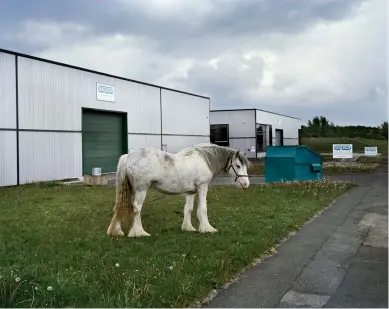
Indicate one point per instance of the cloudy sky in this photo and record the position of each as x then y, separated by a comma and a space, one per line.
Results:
297, 57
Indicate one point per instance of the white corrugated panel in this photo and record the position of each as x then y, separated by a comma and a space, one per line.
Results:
176, 143
244, 144
138, 141
7, 91
8, 158
289, 125
48, 156
241, 123
51, 97
184, 114
142, 104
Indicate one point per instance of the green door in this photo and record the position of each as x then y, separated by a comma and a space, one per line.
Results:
104, 140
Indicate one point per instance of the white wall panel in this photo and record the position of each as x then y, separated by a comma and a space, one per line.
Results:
288, 124
7, 91
244, 144
48, 156
241, 122
51, 97
138, 141
176, 143
184, 114
8, 158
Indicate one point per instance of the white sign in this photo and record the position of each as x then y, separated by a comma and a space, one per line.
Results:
105, 92
342, 151
252, 149
371, 151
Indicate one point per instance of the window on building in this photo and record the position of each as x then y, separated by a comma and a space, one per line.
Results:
262, 132
220, 135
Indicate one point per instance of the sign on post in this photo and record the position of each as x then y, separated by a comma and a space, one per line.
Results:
105, 92
371, 151
342, 151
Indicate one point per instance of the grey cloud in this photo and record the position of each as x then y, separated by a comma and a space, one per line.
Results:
228, 18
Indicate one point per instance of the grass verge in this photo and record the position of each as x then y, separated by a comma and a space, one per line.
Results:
54, 251
373, 159
350, 168
362, 166
324, 144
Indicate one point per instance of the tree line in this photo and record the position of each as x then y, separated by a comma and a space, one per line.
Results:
322, 127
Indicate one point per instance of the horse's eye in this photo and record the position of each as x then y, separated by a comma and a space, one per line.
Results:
238, 166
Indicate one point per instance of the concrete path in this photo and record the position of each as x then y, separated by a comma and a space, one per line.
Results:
340, 259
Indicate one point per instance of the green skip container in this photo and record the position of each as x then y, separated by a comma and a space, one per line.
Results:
292, 163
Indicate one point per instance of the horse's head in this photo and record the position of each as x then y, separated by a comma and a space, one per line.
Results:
237, 167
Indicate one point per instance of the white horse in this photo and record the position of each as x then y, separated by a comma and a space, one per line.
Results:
186, 172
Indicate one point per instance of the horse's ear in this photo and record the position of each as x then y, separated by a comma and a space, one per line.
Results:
237, 154
244, 153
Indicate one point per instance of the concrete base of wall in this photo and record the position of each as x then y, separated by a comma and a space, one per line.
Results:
97, 180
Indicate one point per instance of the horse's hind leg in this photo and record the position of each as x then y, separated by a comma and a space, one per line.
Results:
187, 223
121, 205
137, 228
115, 228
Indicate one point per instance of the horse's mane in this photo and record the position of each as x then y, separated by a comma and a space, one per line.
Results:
217, 156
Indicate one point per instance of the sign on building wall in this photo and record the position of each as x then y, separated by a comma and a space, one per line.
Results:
371, 151
342, 151
105, 92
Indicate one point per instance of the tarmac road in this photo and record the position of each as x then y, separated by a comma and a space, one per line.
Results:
340, 259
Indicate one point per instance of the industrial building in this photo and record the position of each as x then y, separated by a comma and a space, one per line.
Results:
59, 121
253, 130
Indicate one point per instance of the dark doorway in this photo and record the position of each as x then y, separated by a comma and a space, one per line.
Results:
279, 137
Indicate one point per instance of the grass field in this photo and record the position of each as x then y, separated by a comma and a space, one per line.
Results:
324, 145
361, 167
54, 251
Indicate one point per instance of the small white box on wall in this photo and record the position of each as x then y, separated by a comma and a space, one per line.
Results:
105, 92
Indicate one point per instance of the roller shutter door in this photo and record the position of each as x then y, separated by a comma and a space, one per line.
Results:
104, 139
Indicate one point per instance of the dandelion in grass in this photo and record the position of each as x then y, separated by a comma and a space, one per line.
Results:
170, 267
17, 279
49, 288
117, 265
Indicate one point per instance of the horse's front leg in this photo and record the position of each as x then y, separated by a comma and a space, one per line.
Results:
204, 227
187, 223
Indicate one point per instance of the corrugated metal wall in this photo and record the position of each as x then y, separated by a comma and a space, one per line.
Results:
290, 126
241, 128
7, 91
49, 156
8, 158
51, 98
50, 102
136, 141
185, 120
184, 114
8, 149
241, 122
175, 143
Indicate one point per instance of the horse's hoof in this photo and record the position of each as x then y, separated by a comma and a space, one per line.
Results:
115, 234
208, 229
134, 233
188, 228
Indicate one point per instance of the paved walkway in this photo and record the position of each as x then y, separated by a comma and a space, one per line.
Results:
338, 260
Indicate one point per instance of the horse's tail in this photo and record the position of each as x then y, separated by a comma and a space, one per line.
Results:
124, 190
